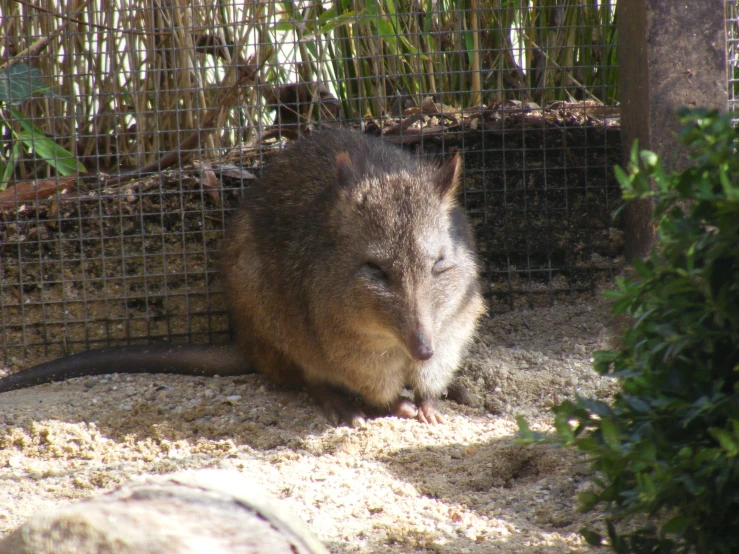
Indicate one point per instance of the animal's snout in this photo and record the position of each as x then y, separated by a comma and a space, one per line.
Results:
421, 346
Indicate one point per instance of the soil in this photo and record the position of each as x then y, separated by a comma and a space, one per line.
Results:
395, 486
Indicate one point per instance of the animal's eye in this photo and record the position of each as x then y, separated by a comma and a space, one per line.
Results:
442, 265
375, 272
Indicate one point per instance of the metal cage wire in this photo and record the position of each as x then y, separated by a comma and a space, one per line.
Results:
732, 53
172, 108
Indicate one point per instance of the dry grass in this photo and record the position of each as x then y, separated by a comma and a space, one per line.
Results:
134, 78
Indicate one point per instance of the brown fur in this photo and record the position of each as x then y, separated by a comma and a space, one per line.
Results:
306, 308
349, 267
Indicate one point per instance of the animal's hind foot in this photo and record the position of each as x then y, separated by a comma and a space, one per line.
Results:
337, 407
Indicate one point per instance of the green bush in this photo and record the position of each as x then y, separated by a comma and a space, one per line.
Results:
667, 446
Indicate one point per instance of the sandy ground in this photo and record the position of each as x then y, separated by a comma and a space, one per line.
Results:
396, 486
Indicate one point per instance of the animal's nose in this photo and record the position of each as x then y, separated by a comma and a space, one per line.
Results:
421, 346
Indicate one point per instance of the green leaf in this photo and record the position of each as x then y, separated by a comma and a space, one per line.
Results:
333, 24
642, 269
20, 82
727, 440
428, 19
591, 537
676, 526
605, 356
622, 178
649, 159
601, 409
562, 425
469, 44
285, 26
588, 500
398, 31
610, 433
636, 403
9, 165
685, 452
386, 31
329, 14
730, 190
412, 49
53, 154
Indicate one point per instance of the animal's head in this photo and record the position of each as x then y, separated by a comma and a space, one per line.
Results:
403, 250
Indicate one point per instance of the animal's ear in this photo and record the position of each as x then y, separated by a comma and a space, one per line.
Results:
344, 170
347, 172
448, 177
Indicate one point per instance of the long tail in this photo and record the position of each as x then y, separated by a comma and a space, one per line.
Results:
184, 359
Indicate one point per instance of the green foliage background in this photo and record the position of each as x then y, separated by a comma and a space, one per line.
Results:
668, 445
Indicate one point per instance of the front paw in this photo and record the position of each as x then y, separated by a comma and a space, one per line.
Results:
424, 410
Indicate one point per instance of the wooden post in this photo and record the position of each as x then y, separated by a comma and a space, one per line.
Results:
670, 54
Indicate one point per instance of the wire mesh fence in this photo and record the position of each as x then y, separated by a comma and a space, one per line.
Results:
129, 128
732, 53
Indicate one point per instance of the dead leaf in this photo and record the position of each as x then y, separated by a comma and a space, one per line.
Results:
209, 181
26, 191
235, 172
